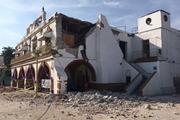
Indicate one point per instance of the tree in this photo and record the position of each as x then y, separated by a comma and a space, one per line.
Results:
7, 53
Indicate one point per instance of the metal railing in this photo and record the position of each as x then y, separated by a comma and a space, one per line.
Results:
45, 49
21, 58
152, 53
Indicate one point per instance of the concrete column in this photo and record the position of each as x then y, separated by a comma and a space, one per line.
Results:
63, 86
31, 47
25, 81
58, 87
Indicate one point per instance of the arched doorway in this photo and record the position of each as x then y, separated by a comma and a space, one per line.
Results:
44, 79
14, 78
79, 73
30, 77
21, 78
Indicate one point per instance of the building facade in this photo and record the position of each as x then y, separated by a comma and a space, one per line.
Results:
66, 54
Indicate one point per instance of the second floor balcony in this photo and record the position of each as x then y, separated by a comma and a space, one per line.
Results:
147, 56
28, 55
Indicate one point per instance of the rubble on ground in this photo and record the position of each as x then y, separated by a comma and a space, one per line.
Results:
95, 102
6, 89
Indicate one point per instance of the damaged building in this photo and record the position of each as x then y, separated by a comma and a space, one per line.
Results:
63, 54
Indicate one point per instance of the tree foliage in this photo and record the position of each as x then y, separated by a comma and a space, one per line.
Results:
7, 53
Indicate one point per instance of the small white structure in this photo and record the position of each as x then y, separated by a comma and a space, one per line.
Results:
76, 55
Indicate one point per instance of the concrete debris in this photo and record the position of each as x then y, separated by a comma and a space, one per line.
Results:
177, 113
94, 103
150, 107
6, 89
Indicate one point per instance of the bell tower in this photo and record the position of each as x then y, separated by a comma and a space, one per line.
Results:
154, 20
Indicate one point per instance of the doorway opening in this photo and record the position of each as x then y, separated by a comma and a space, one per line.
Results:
79, 73
123, 46
14, 78
21, 78
30, 77
44, 79
146, 48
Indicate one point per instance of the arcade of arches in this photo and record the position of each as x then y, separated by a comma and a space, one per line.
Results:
26, 79
79, 76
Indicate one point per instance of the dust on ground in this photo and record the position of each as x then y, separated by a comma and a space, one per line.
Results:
92, 105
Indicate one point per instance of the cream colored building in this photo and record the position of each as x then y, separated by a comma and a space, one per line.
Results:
66, 54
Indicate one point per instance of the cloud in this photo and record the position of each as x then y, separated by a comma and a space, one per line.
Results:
111, 3
9, 38
68, 4
18, 5
124, 22
7, 22
17, 14
122, 18
176, 23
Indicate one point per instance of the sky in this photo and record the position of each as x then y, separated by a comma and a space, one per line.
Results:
16, 15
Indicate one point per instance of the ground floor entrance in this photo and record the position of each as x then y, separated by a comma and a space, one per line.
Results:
79, 73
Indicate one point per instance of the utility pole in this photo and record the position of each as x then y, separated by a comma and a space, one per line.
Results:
36, 54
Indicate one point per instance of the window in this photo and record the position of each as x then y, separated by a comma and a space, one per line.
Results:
165, 18
148, 21
146, 48
159, 51
34, 45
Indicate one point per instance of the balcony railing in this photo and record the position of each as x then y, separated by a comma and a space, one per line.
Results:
152, 53
43, 50
22, 58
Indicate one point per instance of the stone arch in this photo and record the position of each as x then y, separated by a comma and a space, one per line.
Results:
21, 78
30, 77
44, 76
14, 78
80, 73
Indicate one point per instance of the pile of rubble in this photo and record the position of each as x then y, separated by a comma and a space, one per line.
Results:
6, 89
94, 102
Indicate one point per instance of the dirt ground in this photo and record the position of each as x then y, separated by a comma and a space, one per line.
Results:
93, 105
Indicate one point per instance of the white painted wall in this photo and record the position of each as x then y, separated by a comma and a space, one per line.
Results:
91, 43
59, 75
106, 52
135, 48
153, 86
154, 32
123, 36
102, 48
155, 40
128, 69
157, 21
171, 49
166, 78
163, 37
148, 66
162, 81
